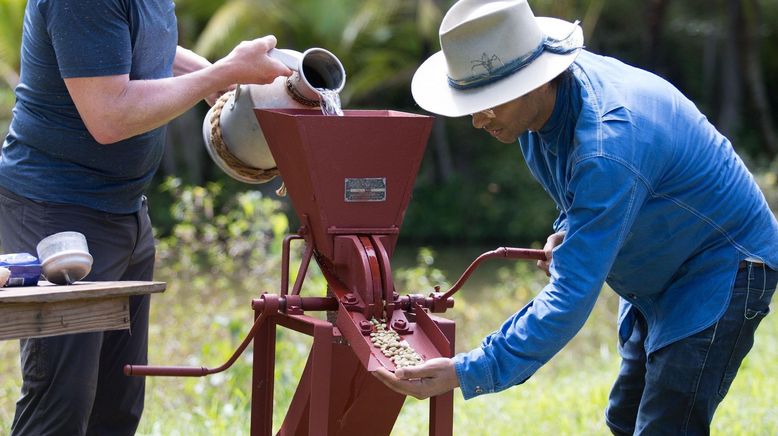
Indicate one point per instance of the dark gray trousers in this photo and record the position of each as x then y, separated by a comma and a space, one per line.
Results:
73, 384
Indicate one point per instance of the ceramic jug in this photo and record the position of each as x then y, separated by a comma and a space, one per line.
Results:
232, 135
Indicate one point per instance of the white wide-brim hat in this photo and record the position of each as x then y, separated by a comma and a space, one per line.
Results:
493, 51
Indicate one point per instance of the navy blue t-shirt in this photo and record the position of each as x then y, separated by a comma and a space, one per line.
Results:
48, 154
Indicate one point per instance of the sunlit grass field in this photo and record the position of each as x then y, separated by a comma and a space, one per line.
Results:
196, 323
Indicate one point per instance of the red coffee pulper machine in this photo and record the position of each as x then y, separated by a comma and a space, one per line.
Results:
350, 180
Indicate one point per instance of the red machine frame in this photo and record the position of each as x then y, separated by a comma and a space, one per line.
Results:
350, 180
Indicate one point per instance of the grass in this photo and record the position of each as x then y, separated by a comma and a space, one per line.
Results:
197, 323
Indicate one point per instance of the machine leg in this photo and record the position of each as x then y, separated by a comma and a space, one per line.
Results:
442, 415
321, 359
442, 406
262, 378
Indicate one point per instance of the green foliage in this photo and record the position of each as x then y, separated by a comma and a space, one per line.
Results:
421, 278
229, 242
768, 181
379, 42
11, 13
493, 198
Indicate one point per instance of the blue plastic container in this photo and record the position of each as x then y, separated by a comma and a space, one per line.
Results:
25, 269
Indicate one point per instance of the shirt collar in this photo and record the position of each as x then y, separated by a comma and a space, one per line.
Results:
558, 130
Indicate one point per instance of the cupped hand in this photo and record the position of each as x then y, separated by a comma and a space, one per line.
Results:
433, 377
548, 249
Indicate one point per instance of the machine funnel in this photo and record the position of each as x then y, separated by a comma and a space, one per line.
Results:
347, 175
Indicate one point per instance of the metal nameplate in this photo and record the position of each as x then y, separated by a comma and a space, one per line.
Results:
365, 189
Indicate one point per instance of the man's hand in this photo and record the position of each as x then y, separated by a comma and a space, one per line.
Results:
433, 377
248, 62
551, 243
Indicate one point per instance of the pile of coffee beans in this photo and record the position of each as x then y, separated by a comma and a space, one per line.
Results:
399, 351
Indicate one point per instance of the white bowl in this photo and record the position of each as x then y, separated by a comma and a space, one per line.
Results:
64, 257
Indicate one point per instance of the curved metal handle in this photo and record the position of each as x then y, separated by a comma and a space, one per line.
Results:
507, 252
288, 57
199, 371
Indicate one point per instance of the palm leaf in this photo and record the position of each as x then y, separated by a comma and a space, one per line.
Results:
235, 21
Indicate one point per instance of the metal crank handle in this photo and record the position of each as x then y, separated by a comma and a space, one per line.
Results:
195, 371
521, 253
506, 252
170, 371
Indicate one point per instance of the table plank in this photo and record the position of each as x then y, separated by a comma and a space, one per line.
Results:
33, 320
48, 309
47, 292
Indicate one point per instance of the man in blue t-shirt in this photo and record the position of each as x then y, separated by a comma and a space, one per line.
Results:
99, 81
653, 200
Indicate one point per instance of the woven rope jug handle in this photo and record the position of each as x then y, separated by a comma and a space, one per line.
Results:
232, 161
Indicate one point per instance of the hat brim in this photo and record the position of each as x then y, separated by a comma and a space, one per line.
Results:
432, 92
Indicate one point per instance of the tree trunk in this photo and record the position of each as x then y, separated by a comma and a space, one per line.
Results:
752, 70
591, 17
710, 60
445, 164
655, 18
730, 73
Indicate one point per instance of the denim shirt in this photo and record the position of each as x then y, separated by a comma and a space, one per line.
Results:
654, 201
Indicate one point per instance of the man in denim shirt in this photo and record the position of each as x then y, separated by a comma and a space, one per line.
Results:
652, 199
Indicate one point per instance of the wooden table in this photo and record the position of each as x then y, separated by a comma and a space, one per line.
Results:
48, 309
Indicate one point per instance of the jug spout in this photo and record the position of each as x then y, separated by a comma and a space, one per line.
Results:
315, 69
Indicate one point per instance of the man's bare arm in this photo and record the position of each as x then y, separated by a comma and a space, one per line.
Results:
116, 108
187, 61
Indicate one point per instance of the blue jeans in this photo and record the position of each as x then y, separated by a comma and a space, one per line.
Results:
676, 389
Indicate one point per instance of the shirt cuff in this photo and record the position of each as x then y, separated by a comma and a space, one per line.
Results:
473, 372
